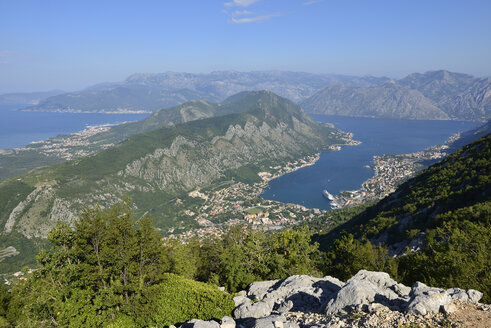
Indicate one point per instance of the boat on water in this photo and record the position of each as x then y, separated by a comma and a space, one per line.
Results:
326, 194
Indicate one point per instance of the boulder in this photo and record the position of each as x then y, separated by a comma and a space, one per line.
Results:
196, 323
239, 300
252, 310
367, 287
284, 307
257, 290
470, 295
266, 303
426, 299
274, 321
298, 293
449, 308
227, 322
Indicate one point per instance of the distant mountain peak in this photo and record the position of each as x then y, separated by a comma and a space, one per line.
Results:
432, 95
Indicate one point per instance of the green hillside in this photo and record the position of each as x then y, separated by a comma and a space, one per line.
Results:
438, 223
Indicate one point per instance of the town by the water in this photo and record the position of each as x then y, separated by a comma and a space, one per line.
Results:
240, 203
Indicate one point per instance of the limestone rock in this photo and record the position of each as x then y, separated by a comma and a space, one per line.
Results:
257, 290
364, 288
195, 323
470, 295
426, 299
304, 292
254, 310
272, 321
227, 322
239, 300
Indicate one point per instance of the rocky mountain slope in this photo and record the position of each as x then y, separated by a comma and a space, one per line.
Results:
148, 92
159, 166
68, 147
432, 95
389, 100
368, 299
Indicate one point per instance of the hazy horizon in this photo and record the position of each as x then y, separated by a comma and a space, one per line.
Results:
72, 45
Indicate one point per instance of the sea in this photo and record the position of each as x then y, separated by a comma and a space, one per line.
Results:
19, 128
347, 169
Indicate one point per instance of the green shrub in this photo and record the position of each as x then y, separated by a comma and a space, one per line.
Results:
4, 323
181, 299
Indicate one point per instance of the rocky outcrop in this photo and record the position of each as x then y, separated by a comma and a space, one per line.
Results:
368, 299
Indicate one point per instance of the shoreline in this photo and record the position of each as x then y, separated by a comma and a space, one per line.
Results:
390, 171
237, 198
79, 111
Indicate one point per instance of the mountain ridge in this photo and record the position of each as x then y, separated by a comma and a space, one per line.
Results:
151, 91
432, 95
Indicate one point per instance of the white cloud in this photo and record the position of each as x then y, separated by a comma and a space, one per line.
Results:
245, 16
242, 20
240, 3
311, 2
241, 13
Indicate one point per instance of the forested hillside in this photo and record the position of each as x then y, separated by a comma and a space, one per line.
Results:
440, 220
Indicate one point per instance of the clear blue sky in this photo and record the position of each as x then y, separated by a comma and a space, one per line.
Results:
71, 44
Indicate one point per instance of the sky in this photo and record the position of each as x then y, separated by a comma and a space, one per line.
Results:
72, 44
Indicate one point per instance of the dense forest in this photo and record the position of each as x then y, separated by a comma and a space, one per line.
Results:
111, 271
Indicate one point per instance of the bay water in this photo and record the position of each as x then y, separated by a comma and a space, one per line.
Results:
346, 169
19, 128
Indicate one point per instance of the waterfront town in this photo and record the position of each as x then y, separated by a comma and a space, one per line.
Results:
390, 172
240, 203
74, 145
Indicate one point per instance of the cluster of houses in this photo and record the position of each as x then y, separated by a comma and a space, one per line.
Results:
258, 217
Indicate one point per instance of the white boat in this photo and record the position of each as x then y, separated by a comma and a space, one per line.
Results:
326, 194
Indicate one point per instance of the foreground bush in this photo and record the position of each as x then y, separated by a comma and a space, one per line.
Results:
179, 300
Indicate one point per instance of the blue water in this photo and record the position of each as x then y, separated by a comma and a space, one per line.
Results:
345, 170
18, 129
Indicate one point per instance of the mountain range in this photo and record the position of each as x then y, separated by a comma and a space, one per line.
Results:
439, 95
149, 92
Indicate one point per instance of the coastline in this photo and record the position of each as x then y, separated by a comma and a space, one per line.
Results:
224, 207
79, 111
390, 172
